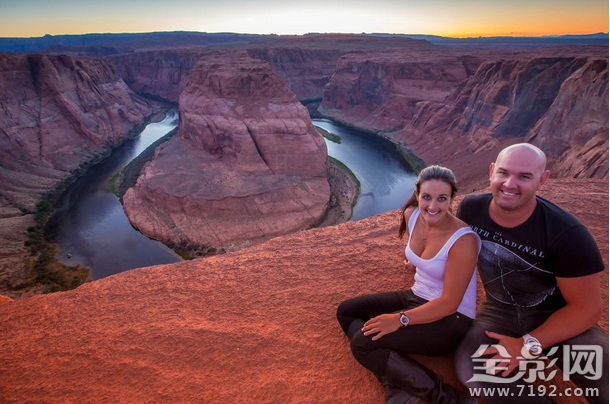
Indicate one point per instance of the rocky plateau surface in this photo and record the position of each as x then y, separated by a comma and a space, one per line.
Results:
253, 326
246, 165
56, 112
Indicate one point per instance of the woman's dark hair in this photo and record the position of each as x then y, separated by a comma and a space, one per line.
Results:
429, 173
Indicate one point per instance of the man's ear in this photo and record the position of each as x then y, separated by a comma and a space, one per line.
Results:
544, 177
491, 170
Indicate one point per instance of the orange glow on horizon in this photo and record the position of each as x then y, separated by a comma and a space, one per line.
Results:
457, 19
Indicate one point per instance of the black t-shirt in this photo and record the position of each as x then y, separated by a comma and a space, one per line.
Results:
518, 266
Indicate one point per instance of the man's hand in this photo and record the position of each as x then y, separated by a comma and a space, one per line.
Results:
513, 347
382, 325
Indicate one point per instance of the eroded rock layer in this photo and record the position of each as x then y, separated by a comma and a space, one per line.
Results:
306, 71
381, 90
254, 326
56, 112
450, 109
162, 73
247, 163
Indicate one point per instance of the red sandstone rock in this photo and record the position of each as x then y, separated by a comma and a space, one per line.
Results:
306, 71
254, 326
447, 115
304, 63
163, 73
575, 127
247, 163
381, 90
56, 112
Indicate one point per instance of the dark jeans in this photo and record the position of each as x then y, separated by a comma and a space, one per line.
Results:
437, 338
516, 322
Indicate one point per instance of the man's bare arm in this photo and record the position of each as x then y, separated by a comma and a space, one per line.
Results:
582, 311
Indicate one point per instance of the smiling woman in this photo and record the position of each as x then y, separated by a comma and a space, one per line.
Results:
431, 317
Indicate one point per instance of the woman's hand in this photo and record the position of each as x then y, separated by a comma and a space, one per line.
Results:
382, 325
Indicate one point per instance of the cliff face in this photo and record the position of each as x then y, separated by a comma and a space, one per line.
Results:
253, 326
247, 163
306, 71
56, 112
559, 104
575, 127
163, 73
381, 91
447, 115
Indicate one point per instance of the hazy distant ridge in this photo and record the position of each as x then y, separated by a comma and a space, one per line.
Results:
177, 37
57, 42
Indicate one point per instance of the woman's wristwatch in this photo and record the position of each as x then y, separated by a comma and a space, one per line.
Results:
404, 320
532, 344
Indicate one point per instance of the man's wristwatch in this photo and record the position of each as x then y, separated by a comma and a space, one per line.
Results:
404, 320
532, 344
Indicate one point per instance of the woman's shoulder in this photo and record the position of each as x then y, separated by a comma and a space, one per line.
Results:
459, 223
466, 237
409, 212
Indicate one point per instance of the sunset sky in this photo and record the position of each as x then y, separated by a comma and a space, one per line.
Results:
458, 18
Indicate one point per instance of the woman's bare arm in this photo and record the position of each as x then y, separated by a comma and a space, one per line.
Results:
458, 272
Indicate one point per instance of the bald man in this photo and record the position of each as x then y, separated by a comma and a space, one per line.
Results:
541, 270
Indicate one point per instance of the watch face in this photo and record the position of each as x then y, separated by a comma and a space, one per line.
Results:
535, 349
404, 319
533, 346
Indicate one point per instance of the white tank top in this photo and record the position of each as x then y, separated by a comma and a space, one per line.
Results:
430, 273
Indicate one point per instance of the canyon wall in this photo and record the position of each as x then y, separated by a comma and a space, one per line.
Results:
451, 111
380, 91
305, 70
56, 112
575, 126
163, 73
557, 103
247, 164
307, 63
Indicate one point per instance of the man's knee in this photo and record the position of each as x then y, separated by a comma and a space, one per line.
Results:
585, 368
463, 360
464, 367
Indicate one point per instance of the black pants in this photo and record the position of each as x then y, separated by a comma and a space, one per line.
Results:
437, 338
515, 322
